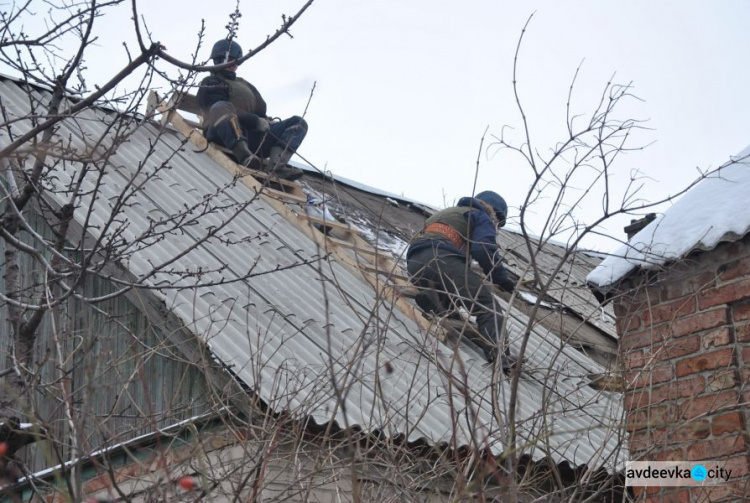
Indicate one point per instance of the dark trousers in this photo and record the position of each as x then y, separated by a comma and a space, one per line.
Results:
288, 133
450, 274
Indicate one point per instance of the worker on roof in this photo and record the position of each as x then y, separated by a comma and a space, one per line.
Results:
439, 259
235, 116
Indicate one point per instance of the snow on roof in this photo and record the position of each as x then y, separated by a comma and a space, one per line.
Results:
713, 211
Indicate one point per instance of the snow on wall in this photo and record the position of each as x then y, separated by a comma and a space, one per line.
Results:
713, 211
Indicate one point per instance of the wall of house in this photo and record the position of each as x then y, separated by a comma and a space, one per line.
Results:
685, 343
125, 373
260, 461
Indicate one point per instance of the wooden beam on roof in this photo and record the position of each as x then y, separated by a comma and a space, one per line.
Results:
353, 246
304, 222
326, 222
398, 275
284, 196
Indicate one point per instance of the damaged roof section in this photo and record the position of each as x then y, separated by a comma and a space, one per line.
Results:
567, 307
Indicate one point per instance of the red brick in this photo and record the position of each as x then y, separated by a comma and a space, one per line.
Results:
694, 430
699, 322
705, 405
684, 286
673, 348
634, 359
716, 448
725, 423
653, 489
706, 361
648, 376
738, 465
669, 495
638, 399
691, 386
639, 441
669, 311
627, 324
726, 252
677, 454
716, 338
627, 305
725, 492
735, 269
639, 492
745, 355
638, 340
741, 312
644, 297
653, 417
717, 381
742, 332
724, 294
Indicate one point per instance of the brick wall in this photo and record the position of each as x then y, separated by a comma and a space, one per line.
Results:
685, 344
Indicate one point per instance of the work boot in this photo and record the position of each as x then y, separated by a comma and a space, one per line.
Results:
277, 164
242, 153
507, 362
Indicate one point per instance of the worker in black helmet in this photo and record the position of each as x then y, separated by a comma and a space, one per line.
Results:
439, 258
235, 116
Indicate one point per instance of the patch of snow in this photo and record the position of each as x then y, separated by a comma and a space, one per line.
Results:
714, 210
464, 314
606, 317
532, 299
317, 207
383, 241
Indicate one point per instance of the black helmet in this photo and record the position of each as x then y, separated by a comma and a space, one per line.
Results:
498, 204
225, 50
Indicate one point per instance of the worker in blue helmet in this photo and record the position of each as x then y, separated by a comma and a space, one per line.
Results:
235, 116
439, 259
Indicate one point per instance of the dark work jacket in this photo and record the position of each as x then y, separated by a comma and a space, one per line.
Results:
227, 86
471, 220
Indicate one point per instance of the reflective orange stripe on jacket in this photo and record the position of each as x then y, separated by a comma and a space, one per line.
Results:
447, 231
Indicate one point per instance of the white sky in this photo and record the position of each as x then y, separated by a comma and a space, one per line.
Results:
406, 88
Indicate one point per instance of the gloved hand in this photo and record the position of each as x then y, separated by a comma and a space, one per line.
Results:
262, 125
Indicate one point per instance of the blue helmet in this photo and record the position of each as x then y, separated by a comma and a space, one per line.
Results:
498, 204
225, 50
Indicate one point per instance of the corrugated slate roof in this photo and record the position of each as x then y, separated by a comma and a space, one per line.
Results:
312, 338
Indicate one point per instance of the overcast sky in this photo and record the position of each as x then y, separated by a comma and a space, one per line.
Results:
406, 88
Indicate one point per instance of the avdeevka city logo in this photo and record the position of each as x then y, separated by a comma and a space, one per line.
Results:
675, 473
699, 473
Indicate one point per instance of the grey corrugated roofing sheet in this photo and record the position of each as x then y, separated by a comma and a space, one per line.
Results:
568, 287
303, 336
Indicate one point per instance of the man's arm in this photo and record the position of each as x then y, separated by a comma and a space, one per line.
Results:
483, 249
